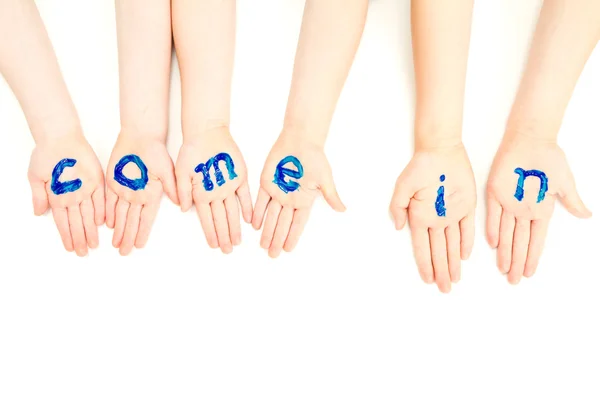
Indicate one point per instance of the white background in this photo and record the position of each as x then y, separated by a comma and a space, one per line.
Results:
345, 316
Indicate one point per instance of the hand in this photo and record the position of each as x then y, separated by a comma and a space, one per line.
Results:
294, 174
65, 175
519, 209
436, 191
215, 193
138, 171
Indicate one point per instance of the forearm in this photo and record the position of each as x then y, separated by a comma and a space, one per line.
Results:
565, 36
440, 35
30, 67
144, 42
204, 33
330, 35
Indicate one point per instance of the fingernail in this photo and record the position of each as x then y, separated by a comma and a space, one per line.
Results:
227, 249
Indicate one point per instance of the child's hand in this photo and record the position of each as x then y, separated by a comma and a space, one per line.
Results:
524, 181
295, 172
67, 176
436, 192
138, 171
210, 174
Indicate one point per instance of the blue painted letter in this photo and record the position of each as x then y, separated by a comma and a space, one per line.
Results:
520, 192
59, 187
133, 184
281, 173
440, 204
214, 162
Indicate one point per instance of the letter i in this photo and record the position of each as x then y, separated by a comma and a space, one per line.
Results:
439, 201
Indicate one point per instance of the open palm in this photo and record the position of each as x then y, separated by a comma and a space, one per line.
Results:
294, 175
211, 173
67, 177
525, 180
139, 170
436, 193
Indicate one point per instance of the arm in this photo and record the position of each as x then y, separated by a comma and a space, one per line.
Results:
440, 33
565, 36
29, 65
530, 171
436, 191
204, 33
330, 35
140, 168
144, 41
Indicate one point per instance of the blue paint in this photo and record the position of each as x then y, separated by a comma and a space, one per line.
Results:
214, 163
440, 204
133, 184
59, 187
281, 173
523, 174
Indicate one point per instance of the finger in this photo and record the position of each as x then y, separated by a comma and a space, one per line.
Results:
77, 231
120, 220
539, 230
39, 197
245, 199
220, 219
331, 195
467, 235
519, 250
298, 223
99, 201
184, 191
61, 219
167, 177
453, 248
208, 224
505, 242
147, 217
260, 208
284, 223
111, 205
270, 223
400, 201
89, 225
131, 229
494, 216
439, 256
233, 219
422, 252
572, 201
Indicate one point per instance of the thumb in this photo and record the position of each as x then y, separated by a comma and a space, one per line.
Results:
572, 202
400, 201
39, 195
331, 195
166, 174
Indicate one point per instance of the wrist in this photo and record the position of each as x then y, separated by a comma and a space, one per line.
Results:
138, 133
301, 133
429, 137
206, 131
536, 130
56, 130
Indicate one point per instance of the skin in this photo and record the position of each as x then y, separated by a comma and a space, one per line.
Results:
440, 34
566, 34
144, 41
204, 33
29, 65
330, 35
